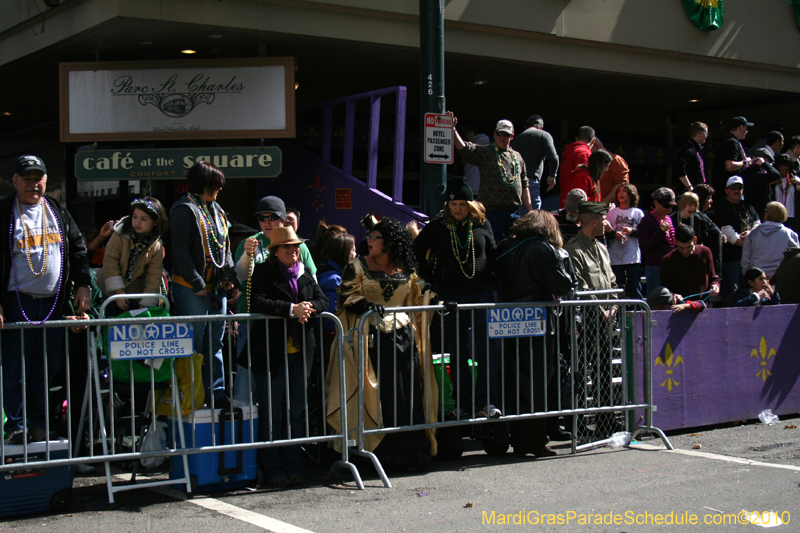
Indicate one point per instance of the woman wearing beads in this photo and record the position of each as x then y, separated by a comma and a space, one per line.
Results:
134, 254
202, 269
386, 277
461, 245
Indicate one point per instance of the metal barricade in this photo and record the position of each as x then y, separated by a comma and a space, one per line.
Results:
102, 437
544, 360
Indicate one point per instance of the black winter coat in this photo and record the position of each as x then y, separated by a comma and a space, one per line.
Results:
271, 296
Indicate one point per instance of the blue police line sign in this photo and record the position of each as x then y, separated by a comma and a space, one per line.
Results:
517, 322
150, 341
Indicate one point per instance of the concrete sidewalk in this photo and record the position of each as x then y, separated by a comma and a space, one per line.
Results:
633, 484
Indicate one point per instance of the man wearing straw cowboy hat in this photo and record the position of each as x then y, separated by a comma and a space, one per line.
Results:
43, 256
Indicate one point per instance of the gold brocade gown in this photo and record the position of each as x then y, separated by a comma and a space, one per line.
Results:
410, 376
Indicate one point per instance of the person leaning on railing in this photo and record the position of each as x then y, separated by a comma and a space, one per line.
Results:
282, 287
531, 266
386, 277
455, 252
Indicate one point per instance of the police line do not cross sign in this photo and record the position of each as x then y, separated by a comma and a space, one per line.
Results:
517, 322
438, 138
150, 341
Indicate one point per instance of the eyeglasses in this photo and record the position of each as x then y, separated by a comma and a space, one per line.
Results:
270, 217
502, 134
736, 188
374, 238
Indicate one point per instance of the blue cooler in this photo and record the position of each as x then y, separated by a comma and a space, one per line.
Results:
31, 489
217, 471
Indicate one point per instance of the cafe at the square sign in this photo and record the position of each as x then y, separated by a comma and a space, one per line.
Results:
164, 100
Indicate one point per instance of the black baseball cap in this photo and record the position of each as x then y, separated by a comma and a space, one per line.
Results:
740, 121
271, 204
26, 163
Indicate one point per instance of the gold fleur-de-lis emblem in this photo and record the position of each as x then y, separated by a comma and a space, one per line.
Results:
669, 363
764, 356
660, 156
640, 153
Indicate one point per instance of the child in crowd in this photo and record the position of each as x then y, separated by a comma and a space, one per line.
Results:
623, 242
755, 290
134, 255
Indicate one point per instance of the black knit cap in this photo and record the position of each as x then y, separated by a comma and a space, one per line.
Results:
457, 189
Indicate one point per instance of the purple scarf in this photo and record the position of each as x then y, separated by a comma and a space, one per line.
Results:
290, 275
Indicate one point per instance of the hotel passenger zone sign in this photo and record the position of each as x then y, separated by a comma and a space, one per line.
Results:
164, 100
517, 322
438, 138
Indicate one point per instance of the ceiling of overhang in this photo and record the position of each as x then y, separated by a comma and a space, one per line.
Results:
326, 68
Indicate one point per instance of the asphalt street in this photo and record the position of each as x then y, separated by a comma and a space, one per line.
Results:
715, 475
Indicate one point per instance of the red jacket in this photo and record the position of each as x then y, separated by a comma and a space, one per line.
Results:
581, 179
576, 153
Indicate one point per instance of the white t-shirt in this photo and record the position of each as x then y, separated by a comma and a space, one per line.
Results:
788, 200
626, 253
46, 285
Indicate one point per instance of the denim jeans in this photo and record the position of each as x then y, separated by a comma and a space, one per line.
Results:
731, 274
243, 383
29, 345
207, 336
653, 278
271, 390
550, 203
536, 199
501, 221
463, 345
629, 277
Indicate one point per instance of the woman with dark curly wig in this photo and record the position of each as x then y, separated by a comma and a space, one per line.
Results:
532, 266
397, 392
456, 254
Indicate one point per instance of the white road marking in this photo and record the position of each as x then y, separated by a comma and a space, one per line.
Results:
265, 522
718, 457
260, 520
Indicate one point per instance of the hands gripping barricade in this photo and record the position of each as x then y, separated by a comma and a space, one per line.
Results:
107, 421
563, 361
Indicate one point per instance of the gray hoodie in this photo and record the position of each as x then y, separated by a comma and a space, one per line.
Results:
764, 246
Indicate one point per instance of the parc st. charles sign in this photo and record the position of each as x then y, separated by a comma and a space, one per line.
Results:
173, 163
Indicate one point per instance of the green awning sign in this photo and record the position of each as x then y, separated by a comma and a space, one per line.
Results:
174, 163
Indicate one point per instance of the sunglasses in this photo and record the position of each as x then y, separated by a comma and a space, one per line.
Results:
736, 188
503, 134
270, 217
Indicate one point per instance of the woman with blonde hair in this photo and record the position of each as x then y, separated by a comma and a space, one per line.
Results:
455, 252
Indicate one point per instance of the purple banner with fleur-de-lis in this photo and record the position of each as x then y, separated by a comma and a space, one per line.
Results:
721, 365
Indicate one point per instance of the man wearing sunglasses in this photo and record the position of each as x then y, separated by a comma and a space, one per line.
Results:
735, 219
504, 179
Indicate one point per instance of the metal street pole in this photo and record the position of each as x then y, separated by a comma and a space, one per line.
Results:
431, 31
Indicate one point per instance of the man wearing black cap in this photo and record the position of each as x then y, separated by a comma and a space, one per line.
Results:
43, 255
504, 178
535, 145
589, 257
271, 214
731, 157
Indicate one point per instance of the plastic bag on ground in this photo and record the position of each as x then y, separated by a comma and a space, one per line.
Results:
620, 438
767, 417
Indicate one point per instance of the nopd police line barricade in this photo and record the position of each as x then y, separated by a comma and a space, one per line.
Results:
516, 363
85, 411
